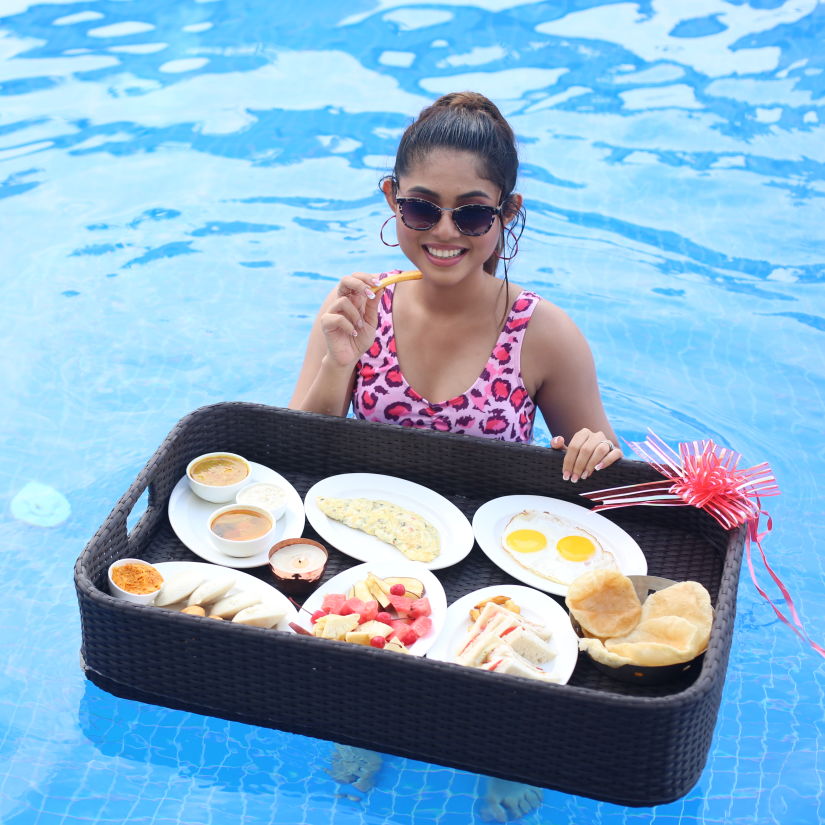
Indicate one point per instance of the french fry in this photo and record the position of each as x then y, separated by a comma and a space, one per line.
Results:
409, 275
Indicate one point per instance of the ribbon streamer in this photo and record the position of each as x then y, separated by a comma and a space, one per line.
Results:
703, 474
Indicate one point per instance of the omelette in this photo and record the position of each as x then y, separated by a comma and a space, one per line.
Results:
405, 530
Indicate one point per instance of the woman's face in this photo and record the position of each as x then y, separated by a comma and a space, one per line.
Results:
449, 179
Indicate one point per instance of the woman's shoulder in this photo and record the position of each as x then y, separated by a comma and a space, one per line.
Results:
549, 319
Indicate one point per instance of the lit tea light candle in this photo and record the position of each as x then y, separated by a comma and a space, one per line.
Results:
298, 564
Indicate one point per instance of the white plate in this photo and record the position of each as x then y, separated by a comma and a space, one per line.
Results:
453, 527
414, 569
491, 518
189, 517
536, 607
243, 582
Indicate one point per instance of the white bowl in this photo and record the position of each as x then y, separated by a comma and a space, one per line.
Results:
271, 497
120, 593
217, 493
242, 547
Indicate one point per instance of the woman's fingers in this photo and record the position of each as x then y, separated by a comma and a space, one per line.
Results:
587, 451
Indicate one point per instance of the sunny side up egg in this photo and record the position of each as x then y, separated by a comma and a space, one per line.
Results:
552, 547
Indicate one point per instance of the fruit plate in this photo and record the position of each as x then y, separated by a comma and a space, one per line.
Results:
453, 527
343, 581
243, 582
563, 519
537, 607
189, 517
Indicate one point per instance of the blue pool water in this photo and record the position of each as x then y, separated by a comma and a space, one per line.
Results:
181, 183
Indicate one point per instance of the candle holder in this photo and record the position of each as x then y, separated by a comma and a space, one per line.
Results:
298, 565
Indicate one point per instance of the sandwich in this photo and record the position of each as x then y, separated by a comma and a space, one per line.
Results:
497, 627
503, 659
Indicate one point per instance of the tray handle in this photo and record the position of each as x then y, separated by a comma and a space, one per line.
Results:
131, 525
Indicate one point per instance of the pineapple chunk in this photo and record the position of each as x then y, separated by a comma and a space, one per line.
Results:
335, 626
375, 628
358, 637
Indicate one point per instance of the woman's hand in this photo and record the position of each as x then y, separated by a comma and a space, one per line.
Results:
350, 320
586, 452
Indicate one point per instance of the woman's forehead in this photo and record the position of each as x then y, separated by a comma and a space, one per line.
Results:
449, 171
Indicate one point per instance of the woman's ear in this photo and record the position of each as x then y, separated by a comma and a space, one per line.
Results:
512, 206
388, 187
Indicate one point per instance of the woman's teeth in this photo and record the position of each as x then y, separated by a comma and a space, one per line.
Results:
444, 253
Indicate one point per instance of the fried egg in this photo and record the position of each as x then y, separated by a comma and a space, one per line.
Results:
553, 547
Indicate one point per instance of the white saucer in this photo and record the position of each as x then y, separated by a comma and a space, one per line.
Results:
189, 517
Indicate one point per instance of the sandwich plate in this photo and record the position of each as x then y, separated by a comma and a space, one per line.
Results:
454, 529
563, 519
537, 607
189, 517
343, 581
243, 583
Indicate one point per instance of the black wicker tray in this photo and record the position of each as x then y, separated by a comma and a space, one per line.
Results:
594, 736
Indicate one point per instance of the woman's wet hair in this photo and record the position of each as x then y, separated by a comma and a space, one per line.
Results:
469, 122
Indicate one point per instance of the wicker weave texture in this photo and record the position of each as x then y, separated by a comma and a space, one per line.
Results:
594, 737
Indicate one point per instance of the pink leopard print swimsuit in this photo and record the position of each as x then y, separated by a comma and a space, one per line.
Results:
496, 406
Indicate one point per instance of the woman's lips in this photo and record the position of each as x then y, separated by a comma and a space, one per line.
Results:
444, 256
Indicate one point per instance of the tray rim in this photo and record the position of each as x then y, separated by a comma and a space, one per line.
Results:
724, 612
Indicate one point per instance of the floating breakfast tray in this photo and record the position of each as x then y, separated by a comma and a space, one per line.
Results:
594, 737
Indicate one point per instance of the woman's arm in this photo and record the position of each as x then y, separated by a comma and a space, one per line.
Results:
343, 330
567, 393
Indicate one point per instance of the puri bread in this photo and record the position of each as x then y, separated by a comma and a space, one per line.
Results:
604, 603
690, 600
666, 640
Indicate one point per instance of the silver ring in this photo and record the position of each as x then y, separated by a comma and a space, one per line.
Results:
610, 445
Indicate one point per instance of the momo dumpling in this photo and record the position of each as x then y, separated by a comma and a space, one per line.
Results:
178, 587
228, 606
260, 615
212, 589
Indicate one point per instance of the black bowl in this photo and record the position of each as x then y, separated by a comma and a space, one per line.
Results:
644, 674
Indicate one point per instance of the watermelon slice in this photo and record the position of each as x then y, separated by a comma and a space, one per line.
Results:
333, 602
420, 607
352, 605
402, 604
422, 626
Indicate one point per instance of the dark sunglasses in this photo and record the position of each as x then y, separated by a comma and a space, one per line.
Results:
470, 219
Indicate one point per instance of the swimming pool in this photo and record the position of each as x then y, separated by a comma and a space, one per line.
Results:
167, 169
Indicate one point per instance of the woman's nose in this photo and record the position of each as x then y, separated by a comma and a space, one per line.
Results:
445, 226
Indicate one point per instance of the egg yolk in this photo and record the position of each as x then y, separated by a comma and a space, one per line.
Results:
575, 548
526, 541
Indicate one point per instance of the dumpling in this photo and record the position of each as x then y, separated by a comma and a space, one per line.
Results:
260, 615
228, 606
212, 589
178, 587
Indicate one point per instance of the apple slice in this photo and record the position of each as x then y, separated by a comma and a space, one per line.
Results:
379, 589
414, 588
361, 591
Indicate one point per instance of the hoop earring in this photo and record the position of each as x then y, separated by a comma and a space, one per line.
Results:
513, 246
381, 233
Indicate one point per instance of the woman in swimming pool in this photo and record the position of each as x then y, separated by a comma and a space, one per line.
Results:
457, 350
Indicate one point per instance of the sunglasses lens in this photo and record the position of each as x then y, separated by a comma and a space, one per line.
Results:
419, 214
473, 219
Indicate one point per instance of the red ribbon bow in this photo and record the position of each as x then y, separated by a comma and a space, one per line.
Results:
703, 474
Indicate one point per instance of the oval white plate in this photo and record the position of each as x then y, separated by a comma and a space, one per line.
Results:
189, 517
243, 582
414, 569
491, 518
537, 607
453, 527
